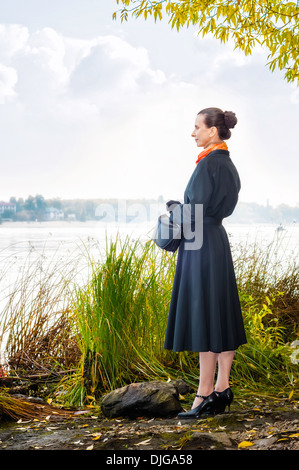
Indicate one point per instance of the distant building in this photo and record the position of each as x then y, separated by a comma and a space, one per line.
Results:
52, 213
7, 206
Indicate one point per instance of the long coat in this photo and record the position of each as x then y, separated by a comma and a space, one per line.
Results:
205, 312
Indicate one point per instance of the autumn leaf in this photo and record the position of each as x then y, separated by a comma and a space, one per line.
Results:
245, 444
144, 443
273, 25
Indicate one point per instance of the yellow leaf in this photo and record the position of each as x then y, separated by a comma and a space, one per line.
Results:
294, 435
268, 300
244, 444
89, 397
291, 394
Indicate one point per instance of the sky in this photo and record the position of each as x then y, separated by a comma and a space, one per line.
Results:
96, 108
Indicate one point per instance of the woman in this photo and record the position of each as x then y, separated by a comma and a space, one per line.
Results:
205, 314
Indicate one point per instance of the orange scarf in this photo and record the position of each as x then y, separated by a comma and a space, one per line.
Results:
205, 152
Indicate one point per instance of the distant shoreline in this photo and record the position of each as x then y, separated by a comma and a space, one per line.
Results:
94, 223
48, 223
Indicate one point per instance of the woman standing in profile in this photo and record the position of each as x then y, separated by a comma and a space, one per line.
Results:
205, 314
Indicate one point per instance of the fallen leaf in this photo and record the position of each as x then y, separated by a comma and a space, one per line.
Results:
144, 443
291, 394
89, 397
294, 435
244, 444
89, 447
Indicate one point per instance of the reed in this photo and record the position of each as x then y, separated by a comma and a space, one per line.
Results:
122, 316
111, 328
35, 330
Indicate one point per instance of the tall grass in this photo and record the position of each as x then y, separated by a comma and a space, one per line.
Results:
268, 290
114, 324
119, 317
35, 330
122, 315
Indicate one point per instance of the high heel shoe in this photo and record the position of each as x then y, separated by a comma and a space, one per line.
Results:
206, 407
224, 400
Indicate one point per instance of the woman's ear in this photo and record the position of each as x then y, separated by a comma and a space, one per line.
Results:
213, 131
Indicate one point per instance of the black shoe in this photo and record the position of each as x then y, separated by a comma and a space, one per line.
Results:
224, 400
206, 407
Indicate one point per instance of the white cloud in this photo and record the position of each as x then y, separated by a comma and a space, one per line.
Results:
57, 73
81, 106
13, 38
8, 80
83, 117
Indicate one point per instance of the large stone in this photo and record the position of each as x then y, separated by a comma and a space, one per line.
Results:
154, 399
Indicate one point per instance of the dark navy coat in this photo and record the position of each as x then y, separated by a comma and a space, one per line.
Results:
205, 312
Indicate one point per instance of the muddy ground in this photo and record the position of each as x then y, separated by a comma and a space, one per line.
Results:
250, 425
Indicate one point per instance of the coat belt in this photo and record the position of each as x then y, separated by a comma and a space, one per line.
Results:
212, 220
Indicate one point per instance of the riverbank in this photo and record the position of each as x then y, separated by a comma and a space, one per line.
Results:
252, 424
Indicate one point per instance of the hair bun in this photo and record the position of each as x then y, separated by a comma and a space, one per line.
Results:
230, 119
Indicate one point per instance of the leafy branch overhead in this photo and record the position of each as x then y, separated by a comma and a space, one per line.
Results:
272, 24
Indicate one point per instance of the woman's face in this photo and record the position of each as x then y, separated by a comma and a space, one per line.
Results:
203, 135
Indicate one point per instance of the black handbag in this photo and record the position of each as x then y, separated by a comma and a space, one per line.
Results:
167, 234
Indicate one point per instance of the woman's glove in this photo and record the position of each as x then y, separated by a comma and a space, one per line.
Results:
170, 205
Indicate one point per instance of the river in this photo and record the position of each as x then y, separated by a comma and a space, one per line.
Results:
53, 242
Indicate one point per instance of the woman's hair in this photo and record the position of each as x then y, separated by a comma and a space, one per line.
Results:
223, 120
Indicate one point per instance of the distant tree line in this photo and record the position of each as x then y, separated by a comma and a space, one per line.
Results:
38, 208
249, 212
41, 209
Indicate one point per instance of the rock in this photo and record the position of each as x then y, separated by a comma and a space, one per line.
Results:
181, 386
267, 442
211, 440
154, 399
